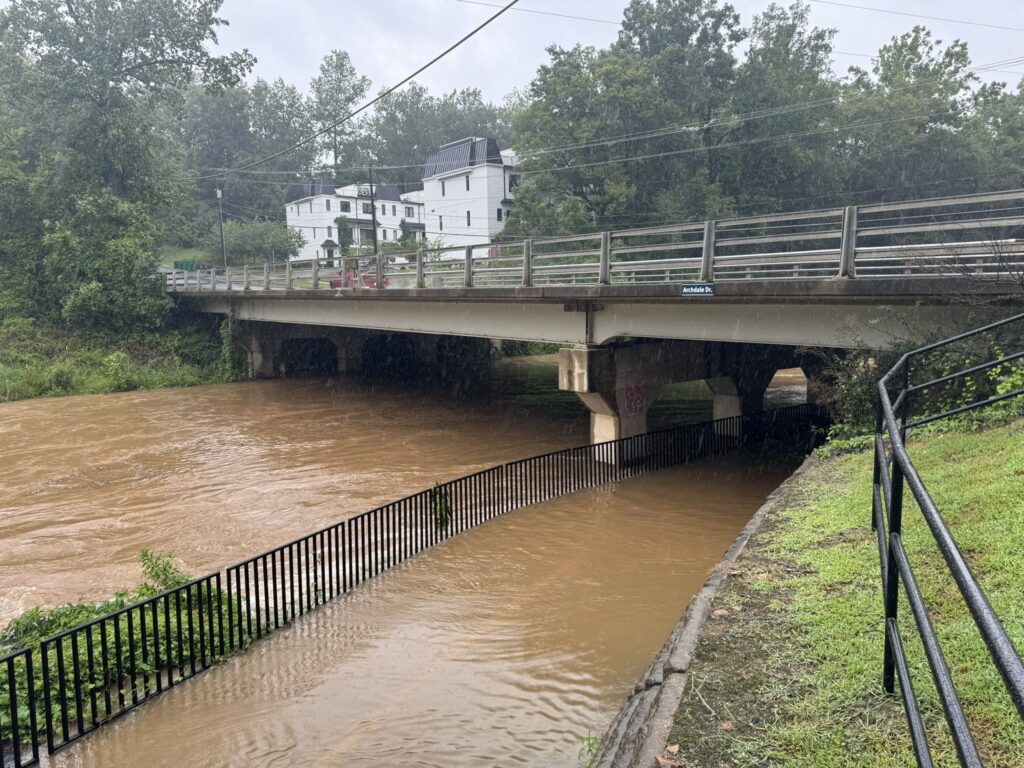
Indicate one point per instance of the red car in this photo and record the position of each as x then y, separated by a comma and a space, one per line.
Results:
349, 279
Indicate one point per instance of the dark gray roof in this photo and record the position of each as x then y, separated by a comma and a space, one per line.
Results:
310, 188
462, 154
389, 192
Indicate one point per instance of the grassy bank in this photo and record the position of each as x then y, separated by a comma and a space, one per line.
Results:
39, 360
788, 669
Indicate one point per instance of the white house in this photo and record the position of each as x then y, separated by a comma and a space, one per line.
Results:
467, 191
314, 208
467, 194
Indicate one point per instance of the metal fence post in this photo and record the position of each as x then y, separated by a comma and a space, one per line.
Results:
604, 269
316, 273
420, 255
266, 277
288, 275
528, 262
380, 271
469, 266
707, 264
848, 243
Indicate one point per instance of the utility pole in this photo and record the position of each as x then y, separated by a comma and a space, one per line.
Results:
373, 207
220, 210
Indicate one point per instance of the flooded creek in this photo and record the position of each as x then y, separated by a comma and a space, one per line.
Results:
506, 645
503, 646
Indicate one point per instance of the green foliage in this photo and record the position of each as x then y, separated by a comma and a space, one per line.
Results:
589, 746
675, 96
118, 368
139, 640
524, 348
251, 243
39, 359
231, 361
440, 506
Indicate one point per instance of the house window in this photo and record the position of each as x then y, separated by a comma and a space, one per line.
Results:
328, 204
499, 214
310, 206
385, 233
467, 182
383, 210
345, 207
365, 235
440, 223
442, 189
395, 233
367, 208
314, 233
468, 221
329, 233
513, 181
394, 210
409, 212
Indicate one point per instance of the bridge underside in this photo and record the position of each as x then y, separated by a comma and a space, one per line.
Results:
836, 313
734, 341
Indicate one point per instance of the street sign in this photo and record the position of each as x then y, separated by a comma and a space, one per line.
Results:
698, 289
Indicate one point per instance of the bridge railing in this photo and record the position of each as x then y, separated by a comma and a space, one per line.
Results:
91, 674
903, 404
971, 235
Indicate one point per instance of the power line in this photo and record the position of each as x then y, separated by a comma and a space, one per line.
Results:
919, 15
692, 150
690, 127
875, 56
365, 106
544, 13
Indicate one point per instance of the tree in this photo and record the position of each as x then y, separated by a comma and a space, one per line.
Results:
344, 234
89, 116
786, 79
253, 243
333, 94
93, 80
101, 259
905, 119
410, 124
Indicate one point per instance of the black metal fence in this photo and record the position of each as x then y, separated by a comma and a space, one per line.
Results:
100, 670
898, 399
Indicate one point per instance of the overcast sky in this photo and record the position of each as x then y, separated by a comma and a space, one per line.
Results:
387, 39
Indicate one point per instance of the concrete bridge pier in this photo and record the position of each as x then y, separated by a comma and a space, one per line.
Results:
618, 384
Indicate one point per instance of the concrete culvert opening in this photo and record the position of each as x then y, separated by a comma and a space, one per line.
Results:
309, 358
391, 357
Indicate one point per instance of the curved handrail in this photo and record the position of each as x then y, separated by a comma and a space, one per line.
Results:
891, 472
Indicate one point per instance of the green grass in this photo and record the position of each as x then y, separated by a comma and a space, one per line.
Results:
792, 672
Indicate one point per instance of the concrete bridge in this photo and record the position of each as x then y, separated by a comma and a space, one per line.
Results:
726, 301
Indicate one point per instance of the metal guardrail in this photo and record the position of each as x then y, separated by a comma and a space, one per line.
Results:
893, 472
96, 672
971, 235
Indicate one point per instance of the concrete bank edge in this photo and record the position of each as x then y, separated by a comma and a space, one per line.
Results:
640, 730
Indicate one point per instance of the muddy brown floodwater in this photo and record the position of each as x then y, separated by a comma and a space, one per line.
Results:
501, 647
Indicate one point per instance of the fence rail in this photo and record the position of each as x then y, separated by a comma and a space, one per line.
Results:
972, 235
893, 474
92, 674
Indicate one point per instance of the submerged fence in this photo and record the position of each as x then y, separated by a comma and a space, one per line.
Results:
92, 674
894, 472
